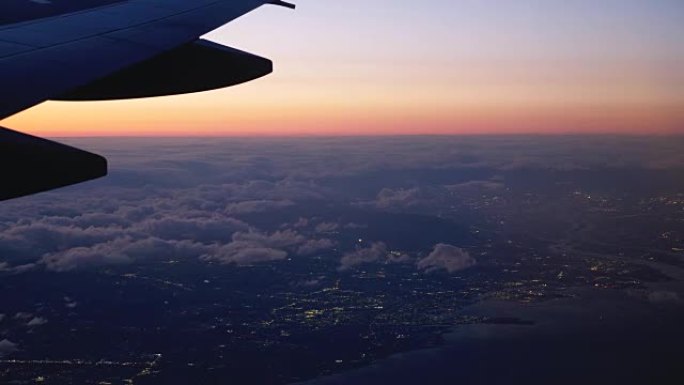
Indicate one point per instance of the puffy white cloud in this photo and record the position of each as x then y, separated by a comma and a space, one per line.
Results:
39, 237
279, 239
37, 321
376, 252
447, 257
121, 251
112, 252
255, 247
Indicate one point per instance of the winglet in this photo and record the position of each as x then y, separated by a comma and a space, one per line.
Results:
282, 4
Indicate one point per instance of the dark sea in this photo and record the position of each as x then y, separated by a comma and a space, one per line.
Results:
612, 339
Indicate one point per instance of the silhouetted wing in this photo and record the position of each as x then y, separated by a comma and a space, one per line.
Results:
89, 54
30, 164
45, 58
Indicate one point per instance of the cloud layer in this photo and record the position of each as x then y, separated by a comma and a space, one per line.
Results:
221, 200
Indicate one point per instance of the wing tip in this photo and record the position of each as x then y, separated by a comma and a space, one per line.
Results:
283, 4
30, 165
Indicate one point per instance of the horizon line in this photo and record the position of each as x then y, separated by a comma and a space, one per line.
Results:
403, 135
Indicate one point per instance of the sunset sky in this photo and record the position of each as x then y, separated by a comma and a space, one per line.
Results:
348, 67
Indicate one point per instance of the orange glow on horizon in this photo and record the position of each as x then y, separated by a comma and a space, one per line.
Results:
215, 115
543, 72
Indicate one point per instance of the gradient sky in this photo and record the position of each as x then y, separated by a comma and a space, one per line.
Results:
424, 67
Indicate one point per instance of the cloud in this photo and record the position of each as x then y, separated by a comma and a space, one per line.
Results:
326, 227
202, 229
18, 269
477, 185
117, 251
401, 197
256, 206
398, 257
447, 257
99, 219
301, 222
246, 254
7, 347
84, 257
125, 235
37, 321
411, 198
39, 237
313, 246
23, 315
278, 239
222, 239
254, 247
188, 198
376, 252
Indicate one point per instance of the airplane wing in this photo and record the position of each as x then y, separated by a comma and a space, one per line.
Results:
103, 50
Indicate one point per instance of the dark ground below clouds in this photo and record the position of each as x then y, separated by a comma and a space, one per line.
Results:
609, 202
